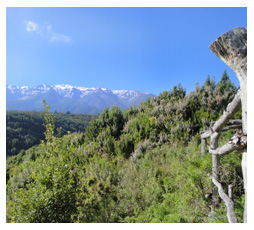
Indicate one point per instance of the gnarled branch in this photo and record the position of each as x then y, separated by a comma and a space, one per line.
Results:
237, 142
232, 218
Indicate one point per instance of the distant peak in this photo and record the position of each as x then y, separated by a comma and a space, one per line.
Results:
67, 90
65, 97
63, 86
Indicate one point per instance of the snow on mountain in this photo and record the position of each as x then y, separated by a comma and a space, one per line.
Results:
69, 91
69, 97
28, 90
129, 94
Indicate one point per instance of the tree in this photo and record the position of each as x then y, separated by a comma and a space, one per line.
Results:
49, 192
231, 47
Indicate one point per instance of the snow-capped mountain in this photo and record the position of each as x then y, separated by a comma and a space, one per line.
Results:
63, 98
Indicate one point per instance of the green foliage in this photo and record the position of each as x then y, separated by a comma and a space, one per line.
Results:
98, 192
112, 119
125, 146
170, 186
142, 164
173, 96
25, 129
47, 193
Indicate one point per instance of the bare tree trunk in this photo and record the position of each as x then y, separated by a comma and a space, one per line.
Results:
237, 142
228, 200
231, 47
216, 164
203, 146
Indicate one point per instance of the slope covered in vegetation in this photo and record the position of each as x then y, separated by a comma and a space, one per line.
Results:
25, 129
139, 165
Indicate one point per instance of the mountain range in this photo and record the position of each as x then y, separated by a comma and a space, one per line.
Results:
63, 98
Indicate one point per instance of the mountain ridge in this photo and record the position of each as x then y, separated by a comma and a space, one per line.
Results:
75, 99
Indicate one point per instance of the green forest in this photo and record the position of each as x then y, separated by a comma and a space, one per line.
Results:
139, 165
25, 129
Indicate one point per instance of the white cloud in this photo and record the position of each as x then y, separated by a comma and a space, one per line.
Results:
31, 26
56, 37
59, 37
46, 32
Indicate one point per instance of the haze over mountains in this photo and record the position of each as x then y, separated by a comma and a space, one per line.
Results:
63, 98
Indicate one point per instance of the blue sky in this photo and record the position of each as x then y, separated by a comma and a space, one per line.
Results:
146, 49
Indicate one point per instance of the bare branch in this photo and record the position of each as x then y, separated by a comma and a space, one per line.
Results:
232, 218
232, 124
203, 146
206, 134
227, 148
235, 122
237, 142
230, 191
236, 126
231, 109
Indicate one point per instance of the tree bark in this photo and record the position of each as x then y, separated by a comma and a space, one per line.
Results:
237, 142
203, 146
216, 164
232, 218
231, 47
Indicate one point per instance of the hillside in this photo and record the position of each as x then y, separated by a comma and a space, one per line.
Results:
26, 129
63, 98
141, 165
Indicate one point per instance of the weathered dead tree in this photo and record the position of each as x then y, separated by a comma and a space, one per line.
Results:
231, 47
